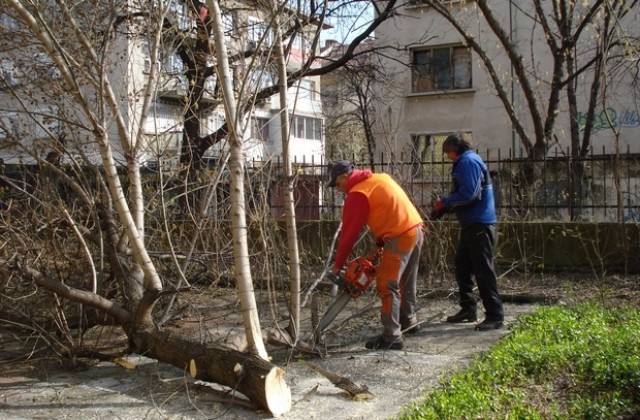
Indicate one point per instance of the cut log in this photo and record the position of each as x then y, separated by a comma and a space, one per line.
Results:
262, 382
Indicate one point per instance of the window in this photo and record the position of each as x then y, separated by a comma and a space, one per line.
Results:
179, 15
260, 129
438, 69
168, 60
163, 117
307, 127
210, 85
427, 160
173, 63
256, 33
227, 22
261, 79
308, 89
145, 52
301, 44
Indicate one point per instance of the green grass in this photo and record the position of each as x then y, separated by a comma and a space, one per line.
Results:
560, 362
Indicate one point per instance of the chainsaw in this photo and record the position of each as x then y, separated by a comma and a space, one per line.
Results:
357, 277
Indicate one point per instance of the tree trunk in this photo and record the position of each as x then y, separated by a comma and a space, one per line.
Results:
262, 382
289, 202
238, 214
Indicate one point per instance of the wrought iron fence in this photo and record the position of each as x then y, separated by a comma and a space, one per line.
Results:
599, 187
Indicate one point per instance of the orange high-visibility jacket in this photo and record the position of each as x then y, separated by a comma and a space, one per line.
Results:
391, 212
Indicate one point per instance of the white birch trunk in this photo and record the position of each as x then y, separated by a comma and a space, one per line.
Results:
238, 212
289, 203
54, 50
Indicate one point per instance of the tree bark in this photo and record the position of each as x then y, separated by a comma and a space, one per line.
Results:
289, 202
238, 213
262, 382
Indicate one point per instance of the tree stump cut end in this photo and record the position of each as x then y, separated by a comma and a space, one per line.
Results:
277, 392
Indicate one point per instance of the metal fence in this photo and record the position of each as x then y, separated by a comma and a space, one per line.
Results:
599, 187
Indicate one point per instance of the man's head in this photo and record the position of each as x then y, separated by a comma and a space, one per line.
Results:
455, 145
338, 169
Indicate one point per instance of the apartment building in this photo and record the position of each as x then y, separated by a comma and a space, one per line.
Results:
37, 120
441, 83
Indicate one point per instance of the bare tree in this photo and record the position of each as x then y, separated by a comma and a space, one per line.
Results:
302, 18
586, 42
86, 198
285, 135
569, 29
348, 98
87, 73
304, 21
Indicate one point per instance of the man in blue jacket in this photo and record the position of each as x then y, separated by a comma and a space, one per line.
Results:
472, 201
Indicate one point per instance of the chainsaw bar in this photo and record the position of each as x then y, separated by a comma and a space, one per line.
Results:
332, 312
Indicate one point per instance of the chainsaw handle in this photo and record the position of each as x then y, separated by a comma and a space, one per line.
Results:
335, 278
340, 281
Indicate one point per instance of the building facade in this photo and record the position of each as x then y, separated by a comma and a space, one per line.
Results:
437, 56
32, 124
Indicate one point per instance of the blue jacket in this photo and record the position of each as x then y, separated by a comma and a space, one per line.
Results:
471, 197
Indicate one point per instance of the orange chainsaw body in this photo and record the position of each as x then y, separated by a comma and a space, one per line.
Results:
359, 275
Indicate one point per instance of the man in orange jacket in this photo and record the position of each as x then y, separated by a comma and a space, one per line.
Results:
376, 200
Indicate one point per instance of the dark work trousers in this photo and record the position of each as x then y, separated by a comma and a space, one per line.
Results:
474, 259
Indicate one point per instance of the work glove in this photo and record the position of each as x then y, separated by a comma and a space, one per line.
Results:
438, 210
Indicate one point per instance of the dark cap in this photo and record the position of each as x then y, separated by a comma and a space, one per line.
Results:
338, 168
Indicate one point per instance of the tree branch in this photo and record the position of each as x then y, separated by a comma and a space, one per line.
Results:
121, 315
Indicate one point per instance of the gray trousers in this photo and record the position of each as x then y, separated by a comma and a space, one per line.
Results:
396, 283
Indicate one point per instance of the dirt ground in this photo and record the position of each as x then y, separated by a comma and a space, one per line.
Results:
141, 388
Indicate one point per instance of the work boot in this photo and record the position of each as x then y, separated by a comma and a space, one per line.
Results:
381, 343
463, 315
489, 324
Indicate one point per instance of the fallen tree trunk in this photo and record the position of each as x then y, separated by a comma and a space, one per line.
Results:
262, 382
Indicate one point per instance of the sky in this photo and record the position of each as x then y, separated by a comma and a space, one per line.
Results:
348, 27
